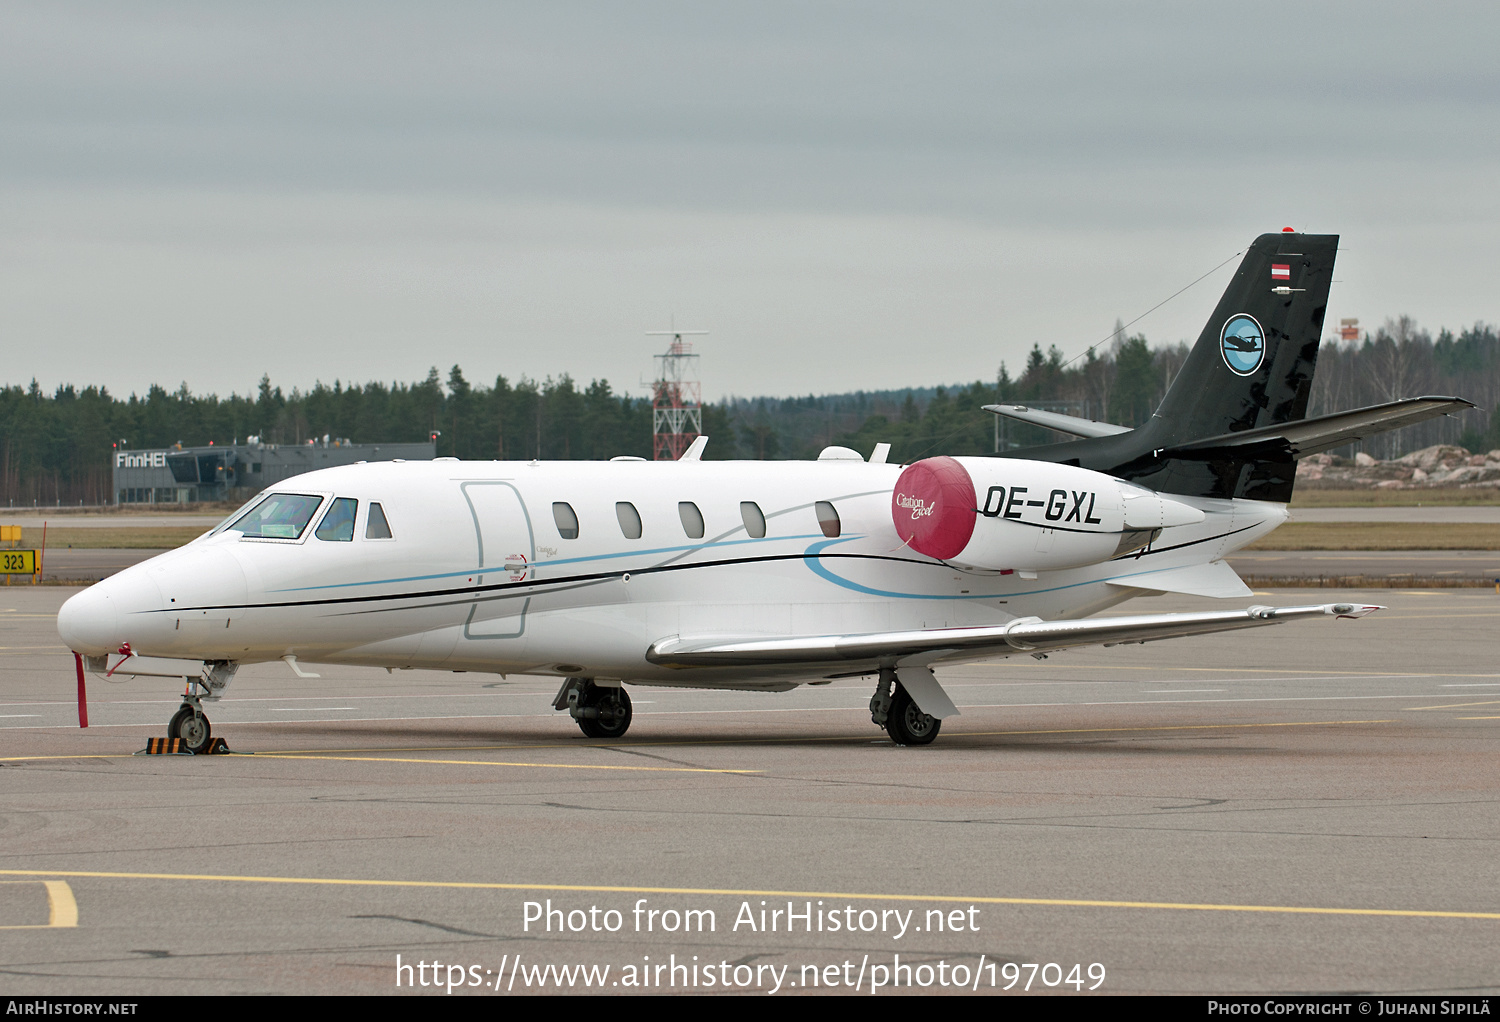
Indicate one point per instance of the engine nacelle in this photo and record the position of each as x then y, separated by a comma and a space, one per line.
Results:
1002, 513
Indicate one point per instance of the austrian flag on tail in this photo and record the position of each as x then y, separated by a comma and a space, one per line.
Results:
1281, 271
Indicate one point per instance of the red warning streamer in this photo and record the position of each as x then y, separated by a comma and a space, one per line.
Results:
83, 697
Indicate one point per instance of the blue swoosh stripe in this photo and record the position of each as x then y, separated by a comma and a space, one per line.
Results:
541, 564
811, 559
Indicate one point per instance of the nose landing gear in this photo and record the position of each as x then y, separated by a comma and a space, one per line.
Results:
602, 711
190, 725
189, 722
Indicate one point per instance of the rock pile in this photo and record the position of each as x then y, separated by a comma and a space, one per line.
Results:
1441, 466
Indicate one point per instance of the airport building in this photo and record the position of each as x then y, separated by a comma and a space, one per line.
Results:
181, 475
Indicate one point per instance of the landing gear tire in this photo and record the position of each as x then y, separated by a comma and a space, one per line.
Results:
908, 725
612, 716
192, 727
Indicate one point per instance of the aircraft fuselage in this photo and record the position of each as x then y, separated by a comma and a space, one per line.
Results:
482, 572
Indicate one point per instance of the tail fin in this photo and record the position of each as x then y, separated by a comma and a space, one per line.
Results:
1252, 367
1253, 363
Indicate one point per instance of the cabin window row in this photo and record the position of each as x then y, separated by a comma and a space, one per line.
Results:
566, 519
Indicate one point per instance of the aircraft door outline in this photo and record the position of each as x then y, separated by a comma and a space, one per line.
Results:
494, 499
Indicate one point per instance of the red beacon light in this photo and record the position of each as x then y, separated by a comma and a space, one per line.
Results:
1288, 230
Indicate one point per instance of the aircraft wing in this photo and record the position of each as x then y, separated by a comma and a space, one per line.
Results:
1313, 436
1057, 420
1024, 635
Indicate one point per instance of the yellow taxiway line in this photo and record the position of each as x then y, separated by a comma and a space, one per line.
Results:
748, 893
62, 909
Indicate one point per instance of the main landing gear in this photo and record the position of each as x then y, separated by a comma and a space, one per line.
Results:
602, 711
189, 722
892, 709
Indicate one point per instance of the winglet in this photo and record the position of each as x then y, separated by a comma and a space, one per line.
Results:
1351, 610
695, 450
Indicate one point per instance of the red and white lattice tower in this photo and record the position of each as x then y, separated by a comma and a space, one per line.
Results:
676, 397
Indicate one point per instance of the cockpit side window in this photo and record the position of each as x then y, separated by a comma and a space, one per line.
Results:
279, 516
376, 527
337, 525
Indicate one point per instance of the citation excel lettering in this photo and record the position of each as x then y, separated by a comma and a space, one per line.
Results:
919, 507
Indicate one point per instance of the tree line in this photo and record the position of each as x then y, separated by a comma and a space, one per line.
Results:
56, 448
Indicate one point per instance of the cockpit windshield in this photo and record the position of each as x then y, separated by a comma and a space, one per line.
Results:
279, 516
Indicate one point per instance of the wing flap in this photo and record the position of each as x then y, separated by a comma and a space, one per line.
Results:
1024, 635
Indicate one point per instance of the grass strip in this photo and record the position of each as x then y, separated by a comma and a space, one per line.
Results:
1382, 536
1304, 497
109, 538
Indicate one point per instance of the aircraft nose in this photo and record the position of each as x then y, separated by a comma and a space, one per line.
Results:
89, 622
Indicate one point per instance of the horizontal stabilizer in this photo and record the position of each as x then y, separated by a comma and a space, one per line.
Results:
1023, 635
1312, 436
1216, 579
1070, 424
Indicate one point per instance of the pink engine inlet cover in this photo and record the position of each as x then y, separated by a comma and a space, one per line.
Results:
933, 507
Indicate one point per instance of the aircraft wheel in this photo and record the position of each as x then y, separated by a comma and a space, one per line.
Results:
613, 720
193, 728
908, 725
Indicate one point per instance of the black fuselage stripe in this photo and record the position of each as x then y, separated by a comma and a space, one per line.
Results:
532, 588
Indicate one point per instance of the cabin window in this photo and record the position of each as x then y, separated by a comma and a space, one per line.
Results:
279, 516
337, 525
755, 522
828, 519
567, 521
630, 519
692, 519
376, 527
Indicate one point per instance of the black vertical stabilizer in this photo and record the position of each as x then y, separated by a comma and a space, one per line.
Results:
1251, 367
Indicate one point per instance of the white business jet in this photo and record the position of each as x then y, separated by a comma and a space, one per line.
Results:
762, 575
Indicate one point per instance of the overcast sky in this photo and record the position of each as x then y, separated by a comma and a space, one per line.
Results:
846, 196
